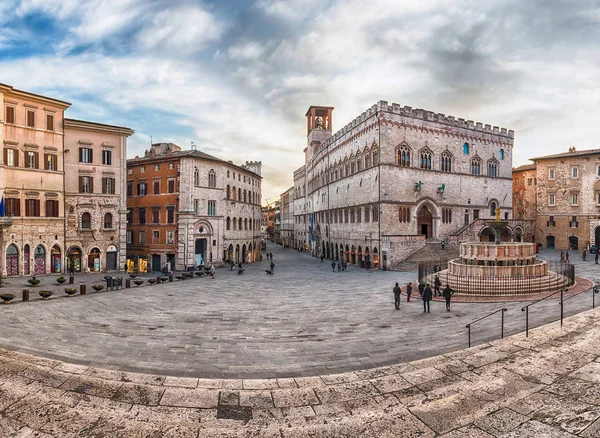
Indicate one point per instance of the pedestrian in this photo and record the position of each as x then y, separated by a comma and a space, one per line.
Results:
272, 267
212, 271
271, 255
426, 298
344, 265
339, 266
596, 257
368, 263
443, 243
448, 292
436, 286
397, 296
322, 258
333, 265
421, 287
567, 256
408, 292
583, 254
562, 256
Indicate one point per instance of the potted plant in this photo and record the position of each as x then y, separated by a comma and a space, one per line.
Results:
152, 280
179, 277
97, 287
61, 280
164, 278
45, 294
132, 275
6, 298
70, 291
138, 282
33, 281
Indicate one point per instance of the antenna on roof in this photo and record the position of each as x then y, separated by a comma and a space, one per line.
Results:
193, 145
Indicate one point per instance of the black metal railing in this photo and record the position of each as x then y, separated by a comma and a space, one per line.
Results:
526, 308
484, 317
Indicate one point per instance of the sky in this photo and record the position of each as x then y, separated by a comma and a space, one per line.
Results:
235, 77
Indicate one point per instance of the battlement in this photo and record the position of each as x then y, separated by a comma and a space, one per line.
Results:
417, 113
253, 163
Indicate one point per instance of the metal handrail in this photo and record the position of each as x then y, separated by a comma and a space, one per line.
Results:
484, 317
526, 309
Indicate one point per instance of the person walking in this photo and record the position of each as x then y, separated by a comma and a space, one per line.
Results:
408, 292
596, 257
421, 287
436, 286
397, 296
567, 256
272, 267
339, 266
333, 265
322, 258
426, 298
448, 292
583, 254
212, 271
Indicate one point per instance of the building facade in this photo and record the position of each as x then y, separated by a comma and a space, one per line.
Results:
95, 195
188, 208
287, 218
396, 177
525, 199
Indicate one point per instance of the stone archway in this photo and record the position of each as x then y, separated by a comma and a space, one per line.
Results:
425, 222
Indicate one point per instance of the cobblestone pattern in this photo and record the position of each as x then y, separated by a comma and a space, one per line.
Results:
545, 385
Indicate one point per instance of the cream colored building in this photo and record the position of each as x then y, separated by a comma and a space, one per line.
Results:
95, 195
31, 174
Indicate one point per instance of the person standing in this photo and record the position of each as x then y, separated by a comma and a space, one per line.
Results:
426, 298
596, 257
567, 256
333, 265
397, 296
436, 286
448, 292
408, 292
212, 271
421, 287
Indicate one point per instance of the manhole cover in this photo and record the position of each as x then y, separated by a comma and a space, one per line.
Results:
242, 413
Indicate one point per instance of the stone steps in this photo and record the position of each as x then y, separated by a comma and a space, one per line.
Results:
432, 252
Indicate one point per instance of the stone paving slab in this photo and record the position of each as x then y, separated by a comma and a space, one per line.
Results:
546, 385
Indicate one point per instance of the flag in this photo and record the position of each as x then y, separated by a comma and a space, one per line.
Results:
2, 214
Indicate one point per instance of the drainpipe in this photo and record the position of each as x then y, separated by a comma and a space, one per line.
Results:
379, 178
65, 257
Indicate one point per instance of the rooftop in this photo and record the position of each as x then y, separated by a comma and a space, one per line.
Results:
571, 153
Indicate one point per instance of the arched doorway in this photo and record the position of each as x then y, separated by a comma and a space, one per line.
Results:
27, 260
375, 259
367, 258
74, 257
12, 260
94, 260
111, 258
487, 235
353, 255
237, 253
55, 259
425, 222
230, 252
347, 254
200, 252
550, 242
505, 235
244, 254
574, 243
251, 256
39, 260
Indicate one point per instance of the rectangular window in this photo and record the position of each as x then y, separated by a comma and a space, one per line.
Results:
10, 114
170, 215
157, 167
551, 199
13, 207
170, 237
156, 236
32, 207
467, 219
475, 214
142, 236
156, 187
574, 199
574, 172
375, 209
358, 215
31, 118
155, 215
404, 214
129, 188
11, 157
598, 198
129, 216
49, 122
108, 186
129, 236
107, 157
551, 222
142, 216
574, 223
142, 188
446, 215
196, 206
171, 166
50, 161
171, 185
345, 216
212, 208
86, 184
143, 169
367, 214
51, 208
86, 155
551, 173
31, 159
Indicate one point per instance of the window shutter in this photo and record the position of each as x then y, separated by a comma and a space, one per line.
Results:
16, 158
80, 184
91, 184
91, 155
46, 161
37, 159
5, 156
112, 186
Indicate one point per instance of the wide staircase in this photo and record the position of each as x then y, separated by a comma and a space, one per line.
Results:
432, 252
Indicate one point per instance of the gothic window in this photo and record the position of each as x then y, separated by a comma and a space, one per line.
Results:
404, 214
234, 224
228, 191
234, 193
358, 163
228, 223
404, 156
501, 154
196, 177
446, 162
375, 155
466, 148
425, 159
212, 178
239, 194
475, 166
492, 168
240, 224
245, 195
367, 159
352, 168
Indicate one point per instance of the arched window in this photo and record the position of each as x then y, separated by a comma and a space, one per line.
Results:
212, 178
404, 156
246, 224
228, 223
358, 163
425, 159
108, 221
234, 193
196, 177
240, 224
352, 168
228, 191
367, 159
375, 155
86, 221
466, 148
239, 194
475, 166
492, 168
492, 208
501, 154
245, 195
446, 162
346, 168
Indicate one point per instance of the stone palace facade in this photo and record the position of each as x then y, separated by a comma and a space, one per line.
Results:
394, 178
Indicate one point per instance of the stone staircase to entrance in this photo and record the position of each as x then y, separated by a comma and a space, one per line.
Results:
431, 252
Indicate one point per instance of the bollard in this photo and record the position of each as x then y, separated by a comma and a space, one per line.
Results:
71, 278
82, 290
158, 279
170, 277
127, 283
25, 295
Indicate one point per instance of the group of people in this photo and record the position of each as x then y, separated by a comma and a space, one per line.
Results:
564, 256
426, 293
340, 265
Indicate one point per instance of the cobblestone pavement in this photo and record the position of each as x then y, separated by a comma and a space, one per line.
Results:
547, 385
303, 321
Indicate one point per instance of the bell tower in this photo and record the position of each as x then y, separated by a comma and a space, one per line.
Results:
318, 127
